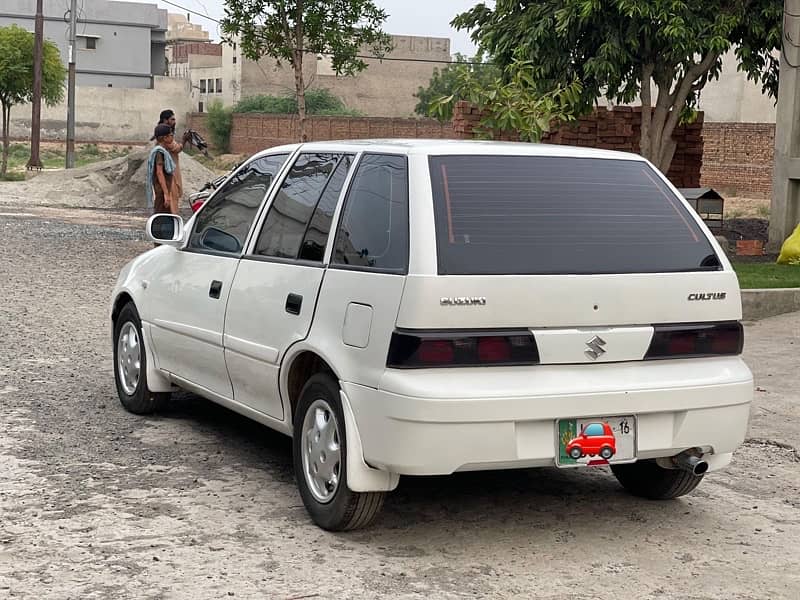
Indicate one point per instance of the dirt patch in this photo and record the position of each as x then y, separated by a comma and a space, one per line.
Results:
116, 183
737, 207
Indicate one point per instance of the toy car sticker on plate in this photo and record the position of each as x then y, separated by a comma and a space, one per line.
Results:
596, 441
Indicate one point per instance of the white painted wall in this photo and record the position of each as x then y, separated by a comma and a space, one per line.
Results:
734, 99
106, 114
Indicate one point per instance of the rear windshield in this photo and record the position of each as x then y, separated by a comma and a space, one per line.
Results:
504, 215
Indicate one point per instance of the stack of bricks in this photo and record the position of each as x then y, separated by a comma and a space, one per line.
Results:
466, 120
617, 129
739, 158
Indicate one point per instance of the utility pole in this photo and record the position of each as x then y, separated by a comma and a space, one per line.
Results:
36, 116
784, 213
73, 26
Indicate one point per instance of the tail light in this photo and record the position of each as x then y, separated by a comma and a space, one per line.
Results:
419, 350
707, 339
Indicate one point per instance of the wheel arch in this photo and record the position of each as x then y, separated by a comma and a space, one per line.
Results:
156, 380
297, 370
121, 300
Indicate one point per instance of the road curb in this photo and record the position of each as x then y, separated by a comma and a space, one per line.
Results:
762, 303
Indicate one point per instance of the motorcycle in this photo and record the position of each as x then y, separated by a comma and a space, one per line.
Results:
198, 198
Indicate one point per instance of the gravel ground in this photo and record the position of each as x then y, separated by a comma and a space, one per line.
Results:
200, 503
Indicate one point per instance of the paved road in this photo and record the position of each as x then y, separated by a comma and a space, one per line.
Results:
200, 503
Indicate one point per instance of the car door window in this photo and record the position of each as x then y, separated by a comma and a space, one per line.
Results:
316, 236
373, 232
222, 225
313, 180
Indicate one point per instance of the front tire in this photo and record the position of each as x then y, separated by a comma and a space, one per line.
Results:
648, 480
319, 446
130, 365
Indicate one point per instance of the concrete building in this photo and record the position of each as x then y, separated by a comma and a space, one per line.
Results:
734, 99
385, 89
120, 44
181, 29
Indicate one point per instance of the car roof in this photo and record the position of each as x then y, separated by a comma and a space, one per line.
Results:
444, 147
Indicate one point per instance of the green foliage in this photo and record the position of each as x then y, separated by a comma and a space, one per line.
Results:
446, 82
90, 150
512, 102
318, 102
219, 123
267, 104
16, 76
288, 30
616, 48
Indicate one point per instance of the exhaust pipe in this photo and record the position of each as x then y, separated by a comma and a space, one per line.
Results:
690, 463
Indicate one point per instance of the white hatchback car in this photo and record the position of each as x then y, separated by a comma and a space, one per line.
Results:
426, 307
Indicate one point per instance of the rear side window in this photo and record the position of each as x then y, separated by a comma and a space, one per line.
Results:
505, 215
373, 232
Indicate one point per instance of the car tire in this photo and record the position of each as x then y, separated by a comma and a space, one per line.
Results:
575, 453
606, 452
648, 480
320, 451
130, 365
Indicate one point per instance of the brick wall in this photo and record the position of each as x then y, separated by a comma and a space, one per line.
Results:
253, 132
738, 158
181, 51
616, 129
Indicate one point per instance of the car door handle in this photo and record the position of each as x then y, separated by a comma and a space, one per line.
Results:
294, 302
215, 289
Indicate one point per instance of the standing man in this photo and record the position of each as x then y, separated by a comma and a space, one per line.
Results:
167, 117
160, 182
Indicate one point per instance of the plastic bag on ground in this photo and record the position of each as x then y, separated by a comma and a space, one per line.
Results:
790, 251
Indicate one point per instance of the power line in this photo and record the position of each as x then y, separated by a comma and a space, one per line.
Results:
364, 56
194, 12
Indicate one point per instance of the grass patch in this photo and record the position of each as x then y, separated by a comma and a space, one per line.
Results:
55, 157
767, 275
13, 177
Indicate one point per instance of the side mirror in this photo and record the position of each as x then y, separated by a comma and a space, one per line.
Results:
166, 229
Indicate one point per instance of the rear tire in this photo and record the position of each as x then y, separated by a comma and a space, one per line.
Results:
647, 480
606, 452
130, 365
319, 446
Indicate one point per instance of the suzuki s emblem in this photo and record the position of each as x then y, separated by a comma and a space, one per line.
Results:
595, 349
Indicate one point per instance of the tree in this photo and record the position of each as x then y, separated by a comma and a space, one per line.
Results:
510, 101
447, 83
621, 49
286, 30
16, 77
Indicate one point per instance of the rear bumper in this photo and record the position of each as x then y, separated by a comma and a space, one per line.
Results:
474, 419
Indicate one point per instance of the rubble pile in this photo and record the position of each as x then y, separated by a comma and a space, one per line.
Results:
115, 183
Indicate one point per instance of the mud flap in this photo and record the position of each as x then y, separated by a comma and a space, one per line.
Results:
156, 380
360, 476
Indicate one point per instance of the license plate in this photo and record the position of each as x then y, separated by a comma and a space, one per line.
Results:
596, 441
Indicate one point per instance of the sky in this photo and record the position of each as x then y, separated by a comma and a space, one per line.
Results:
406, 17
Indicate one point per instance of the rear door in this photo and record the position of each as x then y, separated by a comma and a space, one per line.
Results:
589, 253
274, 295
